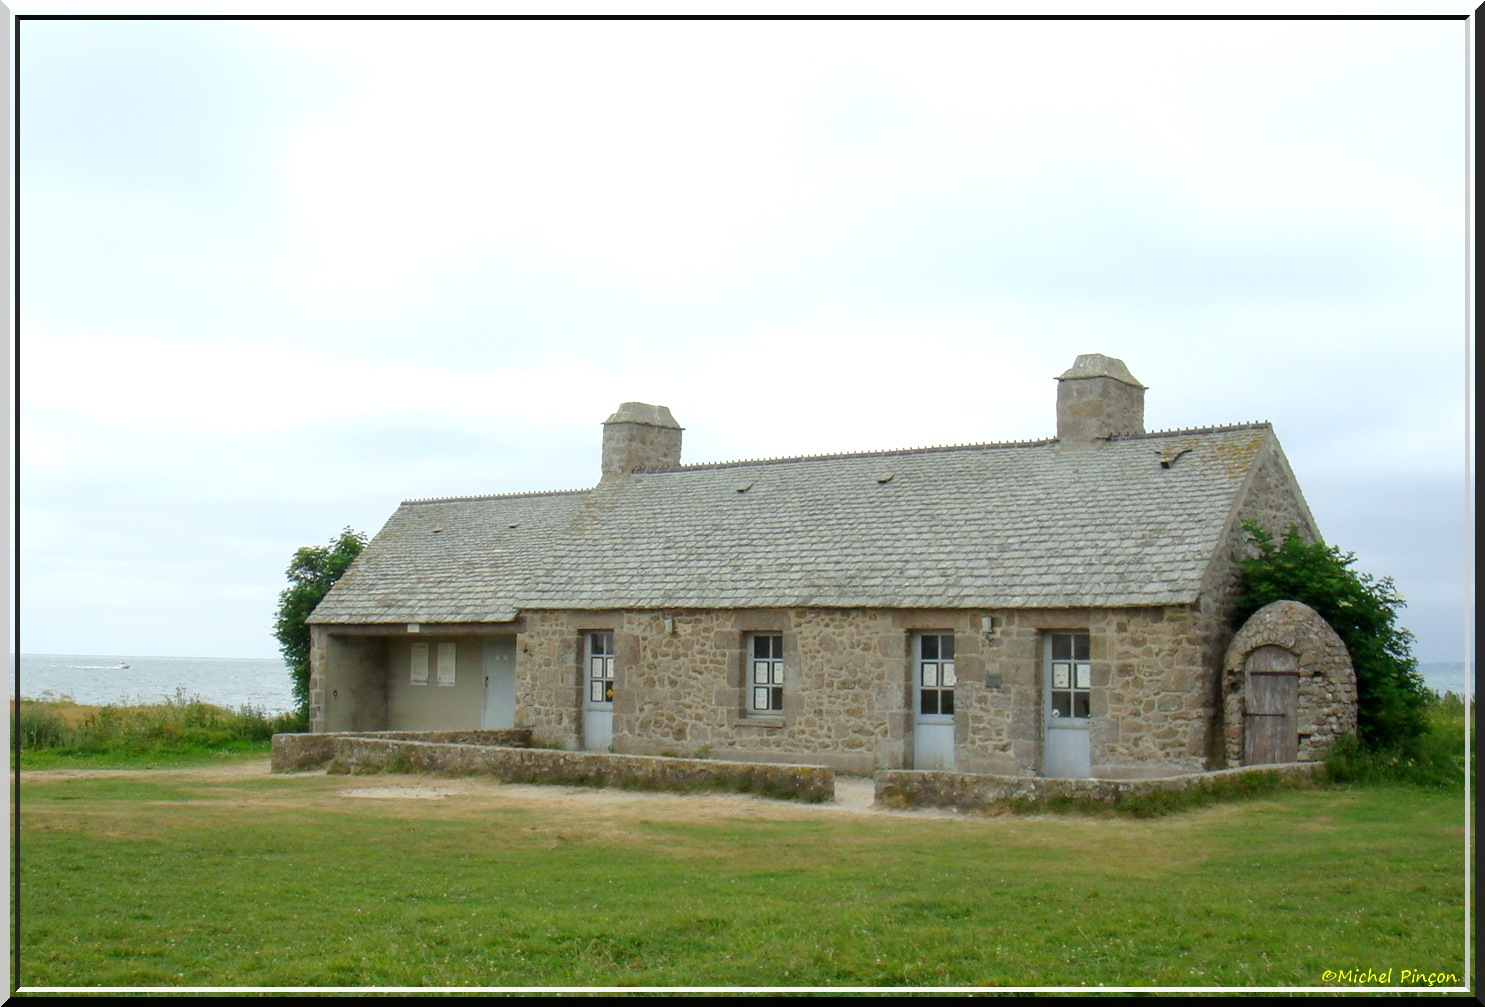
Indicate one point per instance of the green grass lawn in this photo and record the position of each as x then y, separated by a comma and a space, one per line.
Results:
225, 754
171, 877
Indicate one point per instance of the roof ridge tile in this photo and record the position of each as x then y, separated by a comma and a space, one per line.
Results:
496, 496
1175, 431
843, 455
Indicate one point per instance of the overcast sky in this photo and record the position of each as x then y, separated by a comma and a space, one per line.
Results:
277, 277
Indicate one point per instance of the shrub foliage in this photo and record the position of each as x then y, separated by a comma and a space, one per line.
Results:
38, 725
1436, 759
1362, 609
179, 723
312, 572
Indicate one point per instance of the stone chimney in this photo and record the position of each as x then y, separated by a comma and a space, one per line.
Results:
640, 438
1097, 398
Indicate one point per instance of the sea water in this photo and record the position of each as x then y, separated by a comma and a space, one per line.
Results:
1448, 676
95, 680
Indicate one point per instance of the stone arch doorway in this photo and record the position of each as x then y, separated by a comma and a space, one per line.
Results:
1288, 689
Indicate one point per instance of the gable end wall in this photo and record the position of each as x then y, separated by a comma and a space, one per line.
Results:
1273, 500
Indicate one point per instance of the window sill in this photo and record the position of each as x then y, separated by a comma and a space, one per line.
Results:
762, 720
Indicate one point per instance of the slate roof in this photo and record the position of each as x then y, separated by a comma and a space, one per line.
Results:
979, 526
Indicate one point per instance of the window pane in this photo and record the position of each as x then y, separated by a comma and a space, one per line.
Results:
1061, 676
1080, 646
1061, 704
1061, 646
947, 677
929, 645
929, 674
1080, 704
946, 647
1082, 679
928, 701
595, 691
946, 701
767, 676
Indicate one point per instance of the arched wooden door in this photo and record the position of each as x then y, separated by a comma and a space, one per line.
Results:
1270, 727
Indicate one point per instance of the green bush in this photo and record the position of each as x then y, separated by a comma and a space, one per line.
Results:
312, 573
293, 722
1391, 697
39, 725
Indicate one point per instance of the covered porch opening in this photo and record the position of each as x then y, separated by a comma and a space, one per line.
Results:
433, 678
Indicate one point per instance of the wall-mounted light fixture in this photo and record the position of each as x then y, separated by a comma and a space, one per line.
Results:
990, 626
669, 626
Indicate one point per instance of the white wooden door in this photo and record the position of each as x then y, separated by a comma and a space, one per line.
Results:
933, 701
1065, 749
598, 691
499, 710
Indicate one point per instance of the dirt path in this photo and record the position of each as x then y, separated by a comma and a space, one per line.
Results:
853, 794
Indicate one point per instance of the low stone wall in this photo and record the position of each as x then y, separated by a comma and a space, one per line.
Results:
513, 737
912, 788
301, 751
370, 753
314, 751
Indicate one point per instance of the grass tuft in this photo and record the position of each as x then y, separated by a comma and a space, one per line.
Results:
1434, 760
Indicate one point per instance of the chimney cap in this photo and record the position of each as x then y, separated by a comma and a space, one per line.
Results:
1096, 365
645, 414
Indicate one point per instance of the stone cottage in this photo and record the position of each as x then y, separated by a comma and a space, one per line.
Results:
1058, 607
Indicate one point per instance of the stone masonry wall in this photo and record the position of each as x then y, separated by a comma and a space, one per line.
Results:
1156, 704
1147, 710
970, 792
1093, 408
845, 694
313, 751
639, 447
548, 669
370, 753
317, 638
848, 686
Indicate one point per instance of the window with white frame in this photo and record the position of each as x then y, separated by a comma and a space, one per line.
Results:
600, 668
936, 674
1068, 675
765, 673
